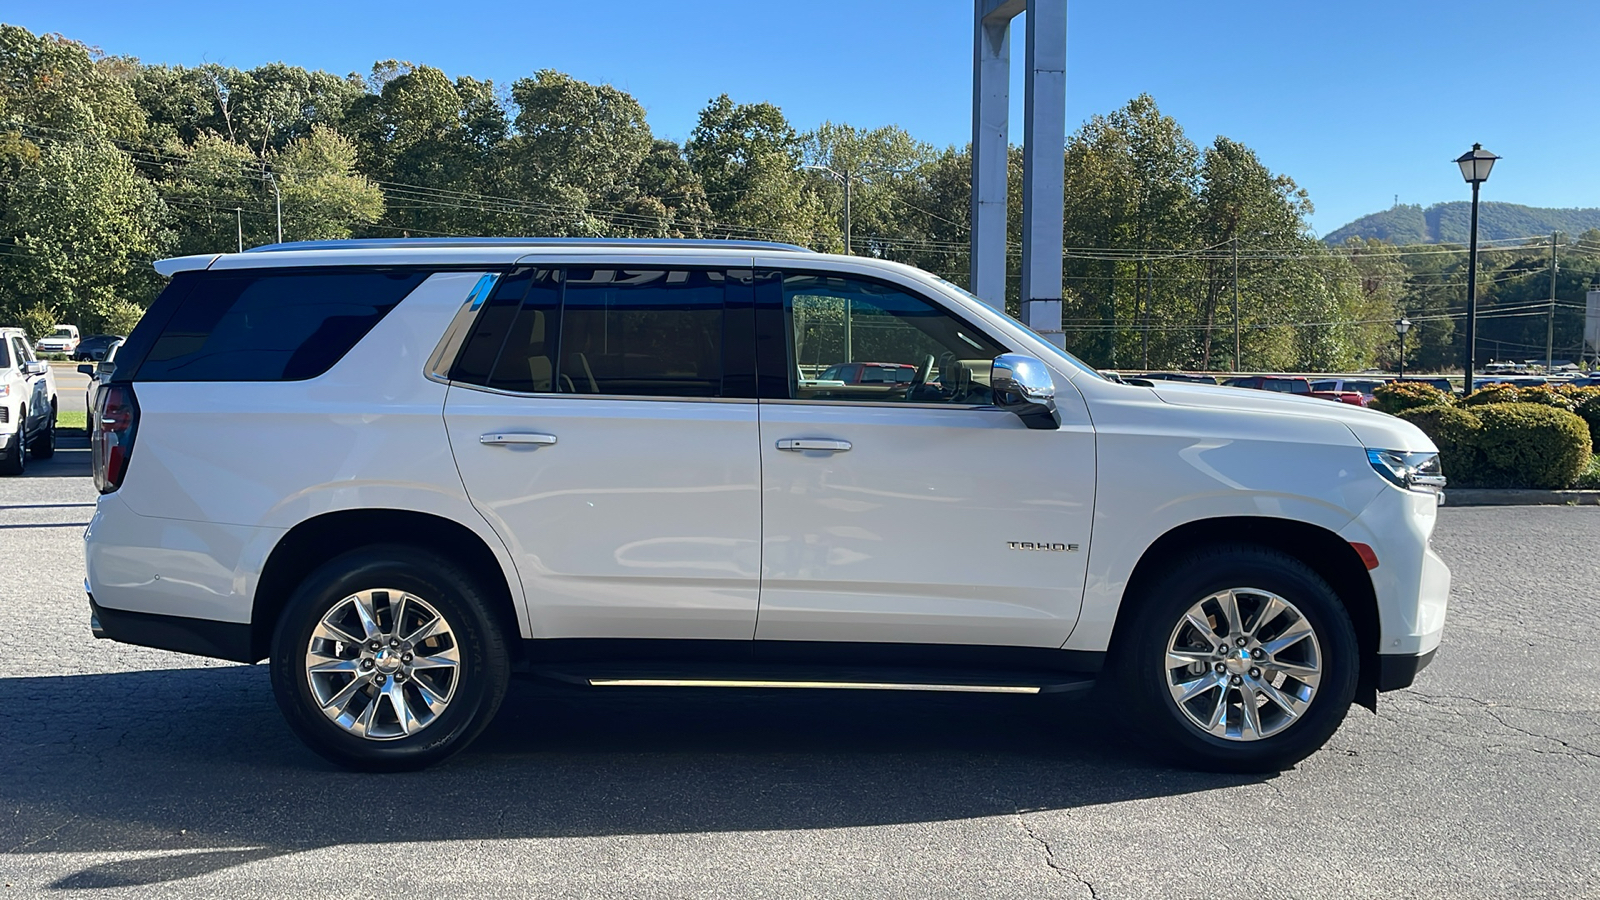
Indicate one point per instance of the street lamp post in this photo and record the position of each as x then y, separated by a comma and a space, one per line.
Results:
1401, 327
843, 178
1475, 166
279, 198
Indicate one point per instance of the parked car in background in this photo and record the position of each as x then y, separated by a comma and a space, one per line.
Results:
1179, 376
99, 373
402, 469
1362, 386
93, 348
1443, 384
1354, 398
27, 404
869, 373
63, 340
1283, 384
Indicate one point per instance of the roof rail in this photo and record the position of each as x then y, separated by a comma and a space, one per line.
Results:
438, 242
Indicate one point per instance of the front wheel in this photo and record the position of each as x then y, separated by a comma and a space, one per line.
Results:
388, 659
1242, 659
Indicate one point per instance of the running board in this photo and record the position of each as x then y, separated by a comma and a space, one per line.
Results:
816, 685
843, 678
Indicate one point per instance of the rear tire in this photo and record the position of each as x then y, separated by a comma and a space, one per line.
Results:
1260, 645
389, 659
44, 443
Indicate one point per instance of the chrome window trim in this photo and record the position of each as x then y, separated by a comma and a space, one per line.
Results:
882, 404
455, 334
467, 386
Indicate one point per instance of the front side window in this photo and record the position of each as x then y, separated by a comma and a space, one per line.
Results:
23, 351
5, 356
880, 343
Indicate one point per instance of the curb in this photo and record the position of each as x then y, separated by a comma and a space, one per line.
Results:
1518, 497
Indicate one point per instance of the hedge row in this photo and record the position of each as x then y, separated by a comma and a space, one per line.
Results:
1504, 435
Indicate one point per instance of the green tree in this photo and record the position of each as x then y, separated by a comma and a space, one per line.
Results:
748, 158
323, 196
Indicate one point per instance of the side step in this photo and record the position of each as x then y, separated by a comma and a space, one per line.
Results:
813, 678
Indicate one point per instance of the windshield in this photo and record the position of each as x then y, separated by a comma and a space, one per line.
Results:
1061, 354
62, 332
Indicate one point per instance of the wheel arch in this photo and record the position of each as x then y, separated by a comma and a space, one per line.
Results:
316, 540
1327, 554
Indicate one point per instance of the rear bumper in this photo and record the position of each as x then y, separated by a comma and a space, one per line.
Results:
202, 637
1396, 672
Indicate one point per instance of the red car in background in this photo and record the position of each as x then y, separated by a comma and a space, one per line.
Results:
870, 373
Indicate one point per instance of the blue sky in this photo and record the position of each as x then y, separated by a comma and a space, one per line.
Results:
1358, 101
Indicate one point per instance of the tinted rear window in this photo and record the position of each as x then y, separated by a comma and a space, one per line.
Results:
272, 325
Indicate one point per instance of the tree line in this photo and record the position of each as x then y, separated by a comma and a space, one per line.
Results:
107, 164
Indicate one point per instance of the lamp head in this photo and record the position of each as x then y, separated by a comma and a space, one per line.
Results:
1475, 165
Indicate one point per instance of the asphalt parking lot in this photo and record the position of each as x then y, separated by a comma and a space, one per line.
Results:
126, 771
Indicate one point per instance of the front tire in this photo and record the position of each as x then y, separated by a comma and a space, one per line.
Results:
389, 659
1241, 659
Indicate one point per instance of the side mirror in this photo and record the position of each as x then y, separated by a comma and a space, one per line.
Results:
37, 367
1024, 386
87, 369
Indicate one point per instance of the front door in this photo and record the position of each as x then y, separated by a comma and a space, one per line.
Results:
909, 510
604, 423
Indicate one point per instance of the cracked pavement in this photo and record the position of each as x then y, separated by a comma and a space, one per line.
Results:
126, 771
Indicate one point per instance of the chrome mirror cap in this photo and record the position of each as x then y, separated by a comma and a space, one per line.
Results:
1025, 386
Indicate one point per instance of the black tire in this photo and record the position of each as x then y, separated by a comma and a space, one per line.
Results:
1140, 679
44, 443
482, 675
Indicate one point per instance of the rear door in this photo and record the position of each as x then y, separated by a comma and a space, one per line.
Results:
603, 418
909, 511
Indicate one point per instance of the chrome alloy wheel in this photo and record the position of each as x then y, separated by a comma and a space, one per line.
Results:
383, 664
1243, 664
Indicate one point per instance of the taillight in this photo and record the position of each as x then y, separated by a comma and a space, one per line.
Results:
116, 423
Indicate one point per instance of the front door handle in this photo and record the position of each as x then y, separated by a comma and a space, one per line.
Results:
813, 444
516, 438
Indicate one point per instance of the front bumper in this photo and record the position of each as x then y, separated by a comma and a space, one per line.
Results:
10, 445
1396, 672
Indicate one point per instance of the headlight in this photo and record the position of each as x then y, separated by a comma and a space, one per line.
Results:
1411, 471
5, 390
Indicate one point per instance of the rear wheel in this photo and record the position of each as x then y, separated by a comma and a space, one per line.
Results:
388, 659
1241, 659
44, 443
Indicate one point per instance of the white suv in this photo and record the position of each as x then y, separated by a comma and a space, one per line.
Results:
27, 404
402, 470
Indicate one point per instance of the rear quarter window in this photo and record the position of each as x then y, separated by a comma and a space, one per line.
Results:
272, 324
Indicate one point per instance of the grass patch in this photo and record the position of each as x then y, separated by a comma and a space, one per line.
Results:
72, 419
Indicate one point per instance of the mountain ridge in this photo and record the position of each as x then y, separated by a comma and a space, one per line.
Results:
1449, 222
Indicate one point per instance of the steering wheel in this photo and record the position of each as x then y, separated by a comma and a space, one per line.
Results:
924, 372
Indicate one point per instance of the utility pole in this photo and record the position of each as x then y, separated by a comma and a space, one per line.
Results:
238, 216
1236, 303
1550, 328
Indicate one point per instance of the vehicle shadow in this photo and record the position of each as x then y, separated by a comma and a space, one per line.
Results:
194, 771
71, 458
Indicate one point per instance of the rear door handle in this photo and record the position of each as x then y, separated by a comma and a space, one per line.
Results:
813, 444
516, 438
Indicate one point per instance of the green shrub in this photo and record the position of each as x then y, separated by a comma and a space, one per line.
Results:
1399, 396
1493, 393
1529, 445
1559, 396
1588, 409
1590, 479
1455, 432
